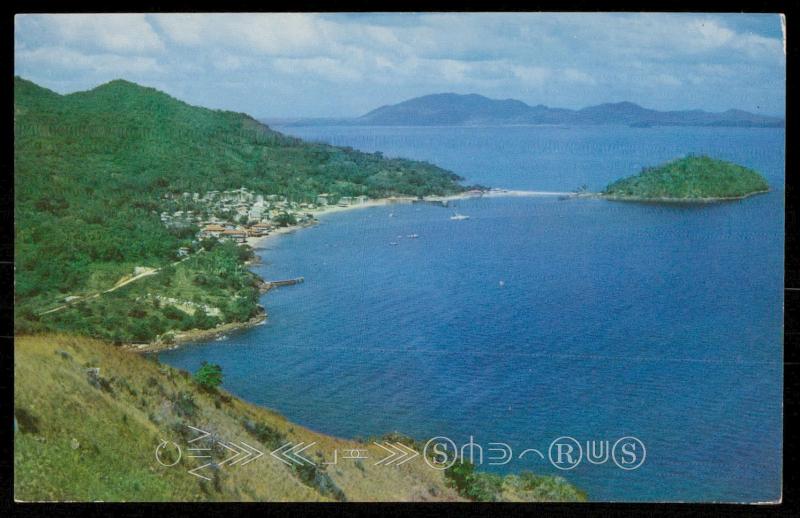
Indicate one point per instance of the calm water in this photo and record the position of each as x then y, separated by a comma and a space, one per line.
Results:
612, 319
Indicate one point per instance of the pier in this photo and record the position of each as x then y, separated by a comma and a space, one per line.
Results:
268, 285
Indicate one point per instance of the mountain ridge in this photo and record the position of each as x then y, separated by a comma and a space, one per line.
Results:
451, 109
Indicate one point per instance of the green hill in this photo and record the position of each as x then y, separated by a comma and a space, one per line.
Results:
91, 173
86, 435
691, 178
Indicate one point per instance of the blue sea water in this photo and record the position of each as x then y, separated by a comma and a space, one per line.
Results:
539, 318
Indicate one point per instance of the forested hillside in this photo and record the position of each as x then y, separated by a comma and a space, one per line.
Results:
92, 169
690, 178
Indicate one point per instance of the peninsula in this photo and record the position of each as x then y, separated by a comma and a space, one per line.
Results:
130, 207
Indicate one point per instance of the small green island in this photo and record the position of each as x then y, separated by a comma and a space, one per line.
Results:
690, 179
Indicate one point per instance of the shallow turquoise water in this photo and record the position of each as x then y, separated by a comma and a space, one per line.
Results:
538, 318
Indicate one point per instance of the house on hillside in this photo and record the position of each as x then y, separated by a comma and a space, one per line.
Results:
237, 235
259, 229
256, 212
212, 230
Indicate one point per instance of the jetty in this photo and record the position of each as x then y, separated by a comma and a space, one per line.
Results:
268, 285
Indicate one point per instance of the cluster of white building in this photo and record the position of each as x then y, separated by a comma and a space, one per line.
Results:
240, 213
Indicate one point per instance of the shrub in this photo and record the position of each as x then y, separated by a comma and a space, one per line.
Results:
173, 313
264, 433
316, 478
28, 423
184, 405
284, 219
480, 487
550, 489
209, 376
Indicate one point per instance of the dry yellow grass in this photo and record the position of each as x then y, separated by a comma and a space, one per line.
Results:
83, 442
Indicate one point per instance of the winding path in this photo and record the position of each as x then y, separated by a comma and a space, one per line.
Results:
118, 285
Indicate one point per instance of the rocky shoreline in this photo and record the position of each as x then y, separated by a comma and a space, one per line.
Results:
196, 335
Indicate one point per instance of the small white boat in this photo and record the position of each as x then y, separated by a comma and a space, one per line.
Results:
412, 236
393, 243
458, 217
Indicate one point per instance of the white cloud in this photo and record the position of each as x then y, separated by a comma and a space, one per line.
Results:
531, 75
279, 34
322, 67
567, 59
577, 76
109, 64
119, 33
665, 80
227, 62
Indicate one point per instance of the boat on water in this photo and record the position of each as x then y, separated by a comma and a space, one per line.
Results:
412, 236
458, 217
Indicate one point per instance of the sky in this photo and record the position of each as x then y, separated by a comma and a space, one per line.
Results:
341, 65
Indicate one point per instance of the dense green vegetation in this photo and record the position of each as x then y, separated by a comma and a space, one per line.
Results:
692, 177
481, 486
209, 288
91, 173
209, 375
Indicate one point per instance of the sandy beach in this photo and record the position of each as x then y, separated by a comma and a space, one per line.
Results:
258, 242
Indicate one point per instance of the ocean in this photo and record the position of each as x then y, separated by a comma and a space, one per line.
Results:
538, 318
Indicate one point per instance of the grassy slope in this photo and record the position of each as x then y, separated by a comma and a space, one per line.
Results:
692, 177
118, 424
117, 432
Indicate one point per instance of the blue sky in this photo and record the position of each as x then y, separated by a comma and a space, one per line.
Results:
328, 65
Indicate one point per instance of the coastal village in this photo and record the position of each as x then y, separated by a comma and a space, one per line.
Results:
240, 214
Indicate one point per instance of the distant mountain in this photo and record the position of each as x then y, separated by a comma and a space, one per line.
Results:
450, 109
